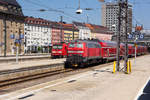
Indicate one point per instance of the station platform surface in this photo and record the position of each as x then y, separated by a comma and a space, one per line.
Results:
99, 84
21, 57
29, 63
25, 54
10, 59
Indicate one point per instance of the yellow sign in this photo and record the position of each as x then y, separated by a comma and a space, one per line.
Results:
17, 44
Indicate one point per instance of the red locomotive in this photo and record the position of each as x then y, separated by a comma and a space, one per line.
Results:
81, 52
59, 50
84, 52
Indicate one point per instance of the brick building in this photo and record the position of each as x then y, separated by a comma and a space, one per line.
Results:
63, 32
11, 26
57, 32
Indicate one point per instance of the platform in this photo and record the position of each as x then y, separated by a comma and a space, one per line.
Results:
99, 84
29, 63
10, 59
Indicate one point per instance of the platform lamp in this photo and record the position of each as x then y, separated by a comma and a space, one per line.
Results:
17, 42
20, 38
1, 44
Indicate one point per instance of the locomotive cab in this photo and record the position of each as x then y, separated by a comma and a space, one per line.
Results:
59, 50
76, 53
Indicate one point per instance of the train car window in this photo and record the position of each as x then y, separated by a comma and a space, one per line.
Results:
79, 45
57, 47
91, 45
98, 46
95, 45
54, 47
71, 45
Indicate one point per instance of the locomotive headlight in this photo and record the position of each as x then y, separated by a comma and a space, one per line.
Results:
70, 51
75, 52
79, 51
59, 51
54, 52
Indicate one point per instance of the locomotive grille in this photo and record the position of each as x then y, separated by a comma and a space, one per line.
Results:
75, 59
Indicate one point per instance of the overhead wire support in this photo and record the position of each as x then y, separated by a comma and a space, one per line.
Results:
126, 34
61, 28
122, 24
118, 37
5, 35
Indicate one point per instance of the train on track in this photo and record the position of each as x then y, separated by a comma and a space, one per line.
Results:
84, 52
59, 50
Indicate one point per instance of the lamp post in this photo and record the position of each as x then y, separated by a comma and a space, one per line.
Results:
0, 49
1, 44
5, 35
135, 44
61, 28
17, 42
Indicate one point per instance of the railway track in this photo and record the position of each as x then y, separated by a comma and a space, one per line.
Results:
55, 71
10, 77
14, 81
31, 77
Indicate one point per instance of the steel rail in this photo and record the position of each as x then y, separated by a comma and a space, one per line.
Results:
18, 80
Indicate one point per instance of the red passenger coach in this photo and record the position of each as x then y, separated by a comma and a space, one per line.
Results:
131, 50
59, 50
108, 49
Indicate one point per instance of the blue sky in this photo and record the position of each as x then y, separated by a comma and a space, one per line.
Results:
30, 7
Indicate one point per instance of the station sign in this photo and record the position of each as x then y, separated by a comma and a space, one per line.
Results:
1, 44
12, 36
135, 36
18, 41
21, 36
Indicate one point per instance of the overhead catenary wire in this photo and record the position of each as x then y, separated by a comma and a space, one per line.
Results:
55, 10
137, 21
44, 6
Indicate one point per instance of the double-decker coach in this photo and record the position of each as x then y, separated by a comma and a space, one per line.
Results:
108, 49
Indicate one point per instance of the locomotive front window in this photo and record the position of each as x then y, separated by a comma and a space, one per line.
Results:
78, 45
57, 47
71, 45
54, 47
